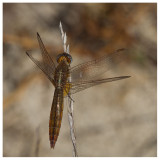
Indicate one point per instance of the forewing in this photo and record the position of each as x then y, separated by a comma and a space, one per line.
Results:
46, 65
89, 70
46, 57
79, 86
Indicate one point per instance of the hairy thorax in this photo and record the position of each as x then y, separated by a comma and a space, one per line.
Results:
61, 75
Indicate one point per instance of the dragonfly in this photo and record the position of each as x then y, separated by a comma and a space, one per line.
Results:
82, 76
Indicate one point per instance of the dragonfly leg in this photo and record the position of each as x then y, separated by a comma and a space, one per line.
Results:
71, 98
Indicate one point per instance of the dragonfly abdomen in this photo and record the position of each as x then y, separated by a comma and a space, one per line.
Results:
56, 116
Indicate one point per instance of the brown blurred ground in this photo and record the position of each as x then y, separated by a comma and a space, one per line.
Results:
114, 119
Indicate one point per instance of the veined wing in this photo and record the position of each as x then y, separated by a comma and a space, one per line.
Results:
79, 86
46, 65
89, 70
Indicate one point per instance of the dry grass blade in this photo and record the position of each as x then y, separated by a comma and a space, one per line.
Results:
71, 122
70, 106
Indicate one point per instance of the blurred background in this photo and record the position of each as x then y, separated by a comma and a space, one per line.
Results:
113, 119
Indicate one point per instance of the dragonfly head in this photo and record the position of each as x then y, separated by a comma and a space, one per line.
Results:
64, 57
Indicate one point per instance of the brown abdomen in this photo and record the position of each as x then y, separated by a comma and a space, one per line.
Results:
55, 116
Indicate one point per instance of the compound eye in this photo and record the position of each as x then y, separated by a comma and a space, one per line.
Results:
58, 58
69, 58
64, 56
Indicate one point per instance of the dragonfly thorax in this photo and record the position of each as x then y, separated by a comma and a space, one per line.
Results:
64, 57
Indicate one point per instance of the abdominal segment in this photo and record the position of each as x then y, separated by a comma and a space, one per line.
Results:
56, 116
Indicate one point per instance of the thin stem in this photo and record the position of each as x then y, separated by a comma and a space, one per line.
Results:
71, 122
70, 106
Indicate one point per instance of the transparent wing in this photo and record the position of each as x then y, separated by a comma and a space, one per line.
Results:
89, 70
46, 57
46, 65
79, 86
